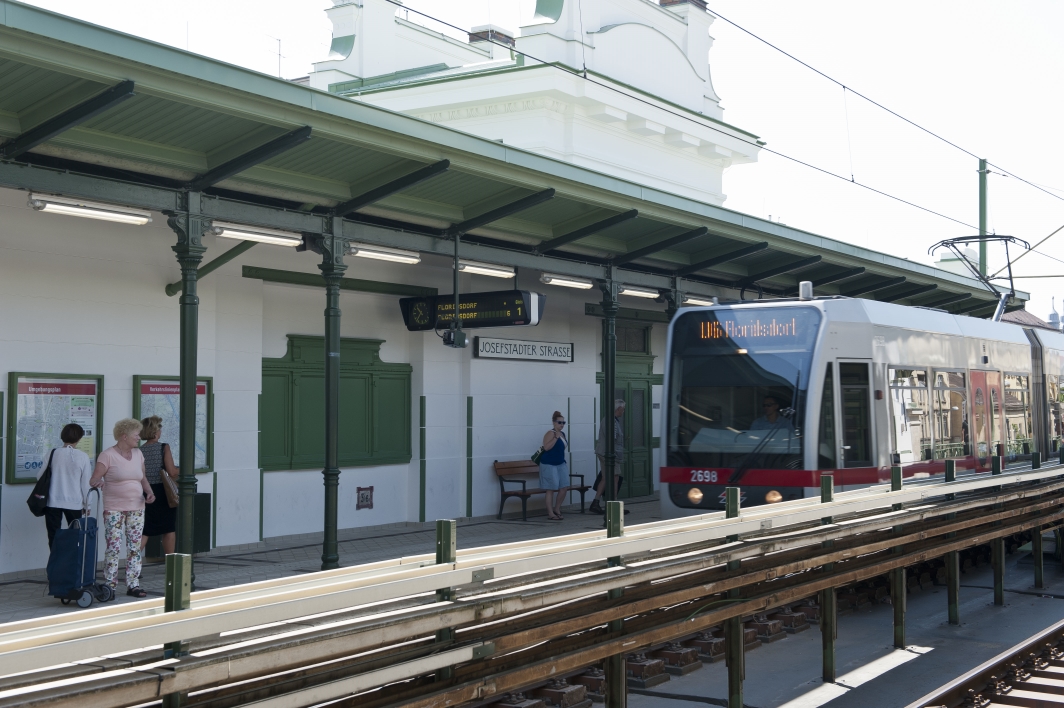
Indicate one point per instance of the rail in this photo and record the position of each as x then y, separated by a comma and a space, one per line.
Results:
672, 576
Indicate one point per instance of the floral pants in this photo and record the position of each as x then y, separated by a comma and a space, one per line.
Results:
114, 522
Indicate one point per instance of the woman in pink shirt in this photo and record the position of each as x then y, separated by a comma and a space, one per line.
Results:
120, 471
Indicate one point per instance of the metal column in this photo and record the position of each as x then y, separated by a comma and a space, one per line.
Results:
828, 601
1036, 555
616, 671
997, 559
897, 576
609, 380
982, 216
446, 552
189, 225
333, 248
734, 649
953, 561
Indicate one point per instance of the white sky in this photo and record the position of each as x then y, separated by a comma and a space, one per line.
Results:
982, 74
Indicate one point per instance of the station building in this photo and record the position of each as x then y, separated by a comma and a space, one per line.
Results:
609, 186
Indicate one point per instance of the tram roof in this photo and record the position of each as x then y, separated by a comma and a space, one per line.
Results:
191, 114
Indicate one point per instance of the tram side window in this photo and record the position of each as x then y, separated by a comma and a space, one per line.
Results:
910, 431
1018, 435
951, 429
1055, 394
826, 444
856, 414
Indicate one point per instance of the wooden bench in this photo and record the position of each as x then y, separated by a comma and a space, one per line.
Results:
506, 472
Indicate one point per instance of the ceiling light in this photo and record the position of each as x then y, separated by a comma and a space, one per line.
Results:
566, 281
633, 291
52, 204
383, 253
699, 301
495, 271
255, 233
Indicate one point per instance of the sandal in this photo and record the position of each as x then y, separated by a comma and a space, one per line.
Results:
136, 592
553, 518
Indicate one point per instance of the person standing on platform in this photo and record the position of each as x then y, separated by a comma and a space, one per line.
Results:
120, 471
553, 469
71, 472
600, 452
160, 519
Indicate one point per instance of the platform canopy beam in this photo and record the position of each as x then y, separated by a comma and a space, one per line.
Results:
660, 246
780, 270
585, 231
871, 287
250, 158
70, 118
723, 258
390, 188
500, 213
910, 293
952, 299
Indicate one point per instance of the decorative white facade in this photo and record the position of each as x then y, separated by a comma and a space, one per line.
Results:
622, 87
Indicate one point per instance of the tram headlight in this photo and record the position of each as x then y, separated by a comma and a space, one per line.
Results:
773, 497
694, 495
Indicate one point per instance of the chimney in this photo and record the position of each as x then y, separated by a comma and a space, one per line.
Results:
491, 33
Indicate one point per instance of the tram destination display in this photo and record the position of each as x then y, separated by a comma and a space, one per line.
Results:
500, 308
39, 406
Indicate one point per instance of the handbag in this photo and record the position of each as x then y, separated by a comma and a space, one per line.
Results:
173, 497
537, 454
39, 496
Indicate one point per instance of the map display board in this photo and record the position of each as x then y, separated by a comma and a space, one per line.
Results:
39, 405
161, 396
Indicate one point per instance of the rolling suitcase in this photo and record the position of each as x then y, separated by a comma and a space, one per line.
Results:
72, 562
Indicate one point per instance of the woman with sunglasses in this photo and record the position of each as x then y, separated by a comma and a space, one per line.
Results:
553, 470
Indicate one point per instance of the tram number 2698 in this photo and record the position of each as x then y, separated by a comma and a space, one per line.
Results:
703, 476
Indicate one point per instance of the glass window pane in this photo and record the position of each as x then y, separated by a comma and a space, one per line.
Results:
1015, 381
910, 432
1017, 423
853, 374
951, 425
907, 377
826, 444
949, 379
1054, 393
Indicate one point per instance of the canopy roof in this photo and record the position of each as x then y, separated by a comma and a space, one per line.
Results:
192, 122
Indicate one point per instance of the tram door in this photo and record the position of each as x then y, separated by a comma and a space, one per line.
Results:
855, 398
986, 416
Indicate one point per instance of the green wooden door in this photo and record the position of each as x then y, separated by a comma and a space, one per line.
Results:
638, 481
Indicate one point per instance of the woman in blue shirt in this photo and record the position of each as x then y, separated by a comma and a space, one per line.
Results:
553, 470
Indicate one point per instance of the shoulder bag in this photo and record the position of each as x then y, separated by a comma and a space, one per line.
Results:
39, 497
173, 497
537, 454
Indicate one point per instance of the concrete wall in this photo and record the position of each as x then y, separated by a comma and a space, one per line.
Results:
82, 296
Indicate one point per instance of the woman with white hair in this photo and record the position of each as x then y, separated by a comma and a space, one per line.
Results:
120, 471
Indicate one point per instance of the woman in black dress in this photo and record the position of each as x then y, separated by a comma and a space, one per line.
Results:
160, 519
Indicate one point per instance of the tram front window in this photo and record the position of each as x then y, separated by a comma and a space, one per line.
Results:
738, 381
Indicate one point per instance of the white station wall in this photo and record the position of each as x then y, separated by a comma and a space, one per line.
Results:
82, 296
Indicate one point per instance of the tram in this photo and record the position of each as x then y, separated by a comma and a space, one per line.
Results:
770, 395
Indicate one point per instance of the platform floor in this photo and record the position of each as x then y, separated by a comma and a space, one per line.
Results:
26, 597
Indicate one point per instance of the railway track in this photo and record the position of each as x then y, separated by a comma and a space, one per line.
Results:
1029, 674
498, 621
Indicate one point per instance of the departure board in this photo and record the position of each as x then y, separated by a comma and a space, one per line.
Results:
500, 308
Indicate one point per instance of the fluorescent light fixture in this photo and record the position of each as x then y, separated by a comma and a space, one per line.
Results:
255, 233
383, 253
699, 301
495, 271
566, 281
633, 291
53, 204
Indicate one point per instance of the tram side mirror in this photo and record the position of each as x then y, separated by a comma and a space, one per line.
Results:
805, 290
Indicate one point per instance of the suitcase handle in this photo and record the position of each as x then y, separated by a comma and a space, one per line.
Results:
85, 502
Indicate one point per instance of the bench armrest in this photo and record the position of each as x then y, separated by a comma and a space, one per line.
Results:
522, 482
575, 476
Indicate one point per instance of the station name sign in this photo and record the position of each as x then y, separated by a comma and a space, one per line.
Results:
500, 308
521, 350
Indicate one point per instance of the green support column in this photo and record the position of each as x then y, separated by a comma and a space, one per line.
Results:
421, 454
828, 602
333, 248
1058, 538
897, 576
734, 649
616, 671
1036, 555
446, 552
953, 561
609, 379
469, 457
997, 559
177, 597
995, 464
190, 226
982, 216
1036, 460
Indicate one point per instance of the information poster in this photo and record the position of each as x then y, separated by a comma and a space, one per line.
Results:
42, 405
162, 397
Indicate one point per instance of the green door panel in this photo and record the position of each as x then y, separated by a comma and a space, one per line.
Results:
275, 419
308, 424
355, 418
391, 412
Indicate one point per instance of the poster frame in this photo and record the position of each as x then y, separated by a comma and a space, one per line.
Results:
10, 473
138, 379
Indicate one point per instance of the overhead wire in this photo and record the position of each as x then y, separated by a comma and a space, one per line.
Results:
755, 144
